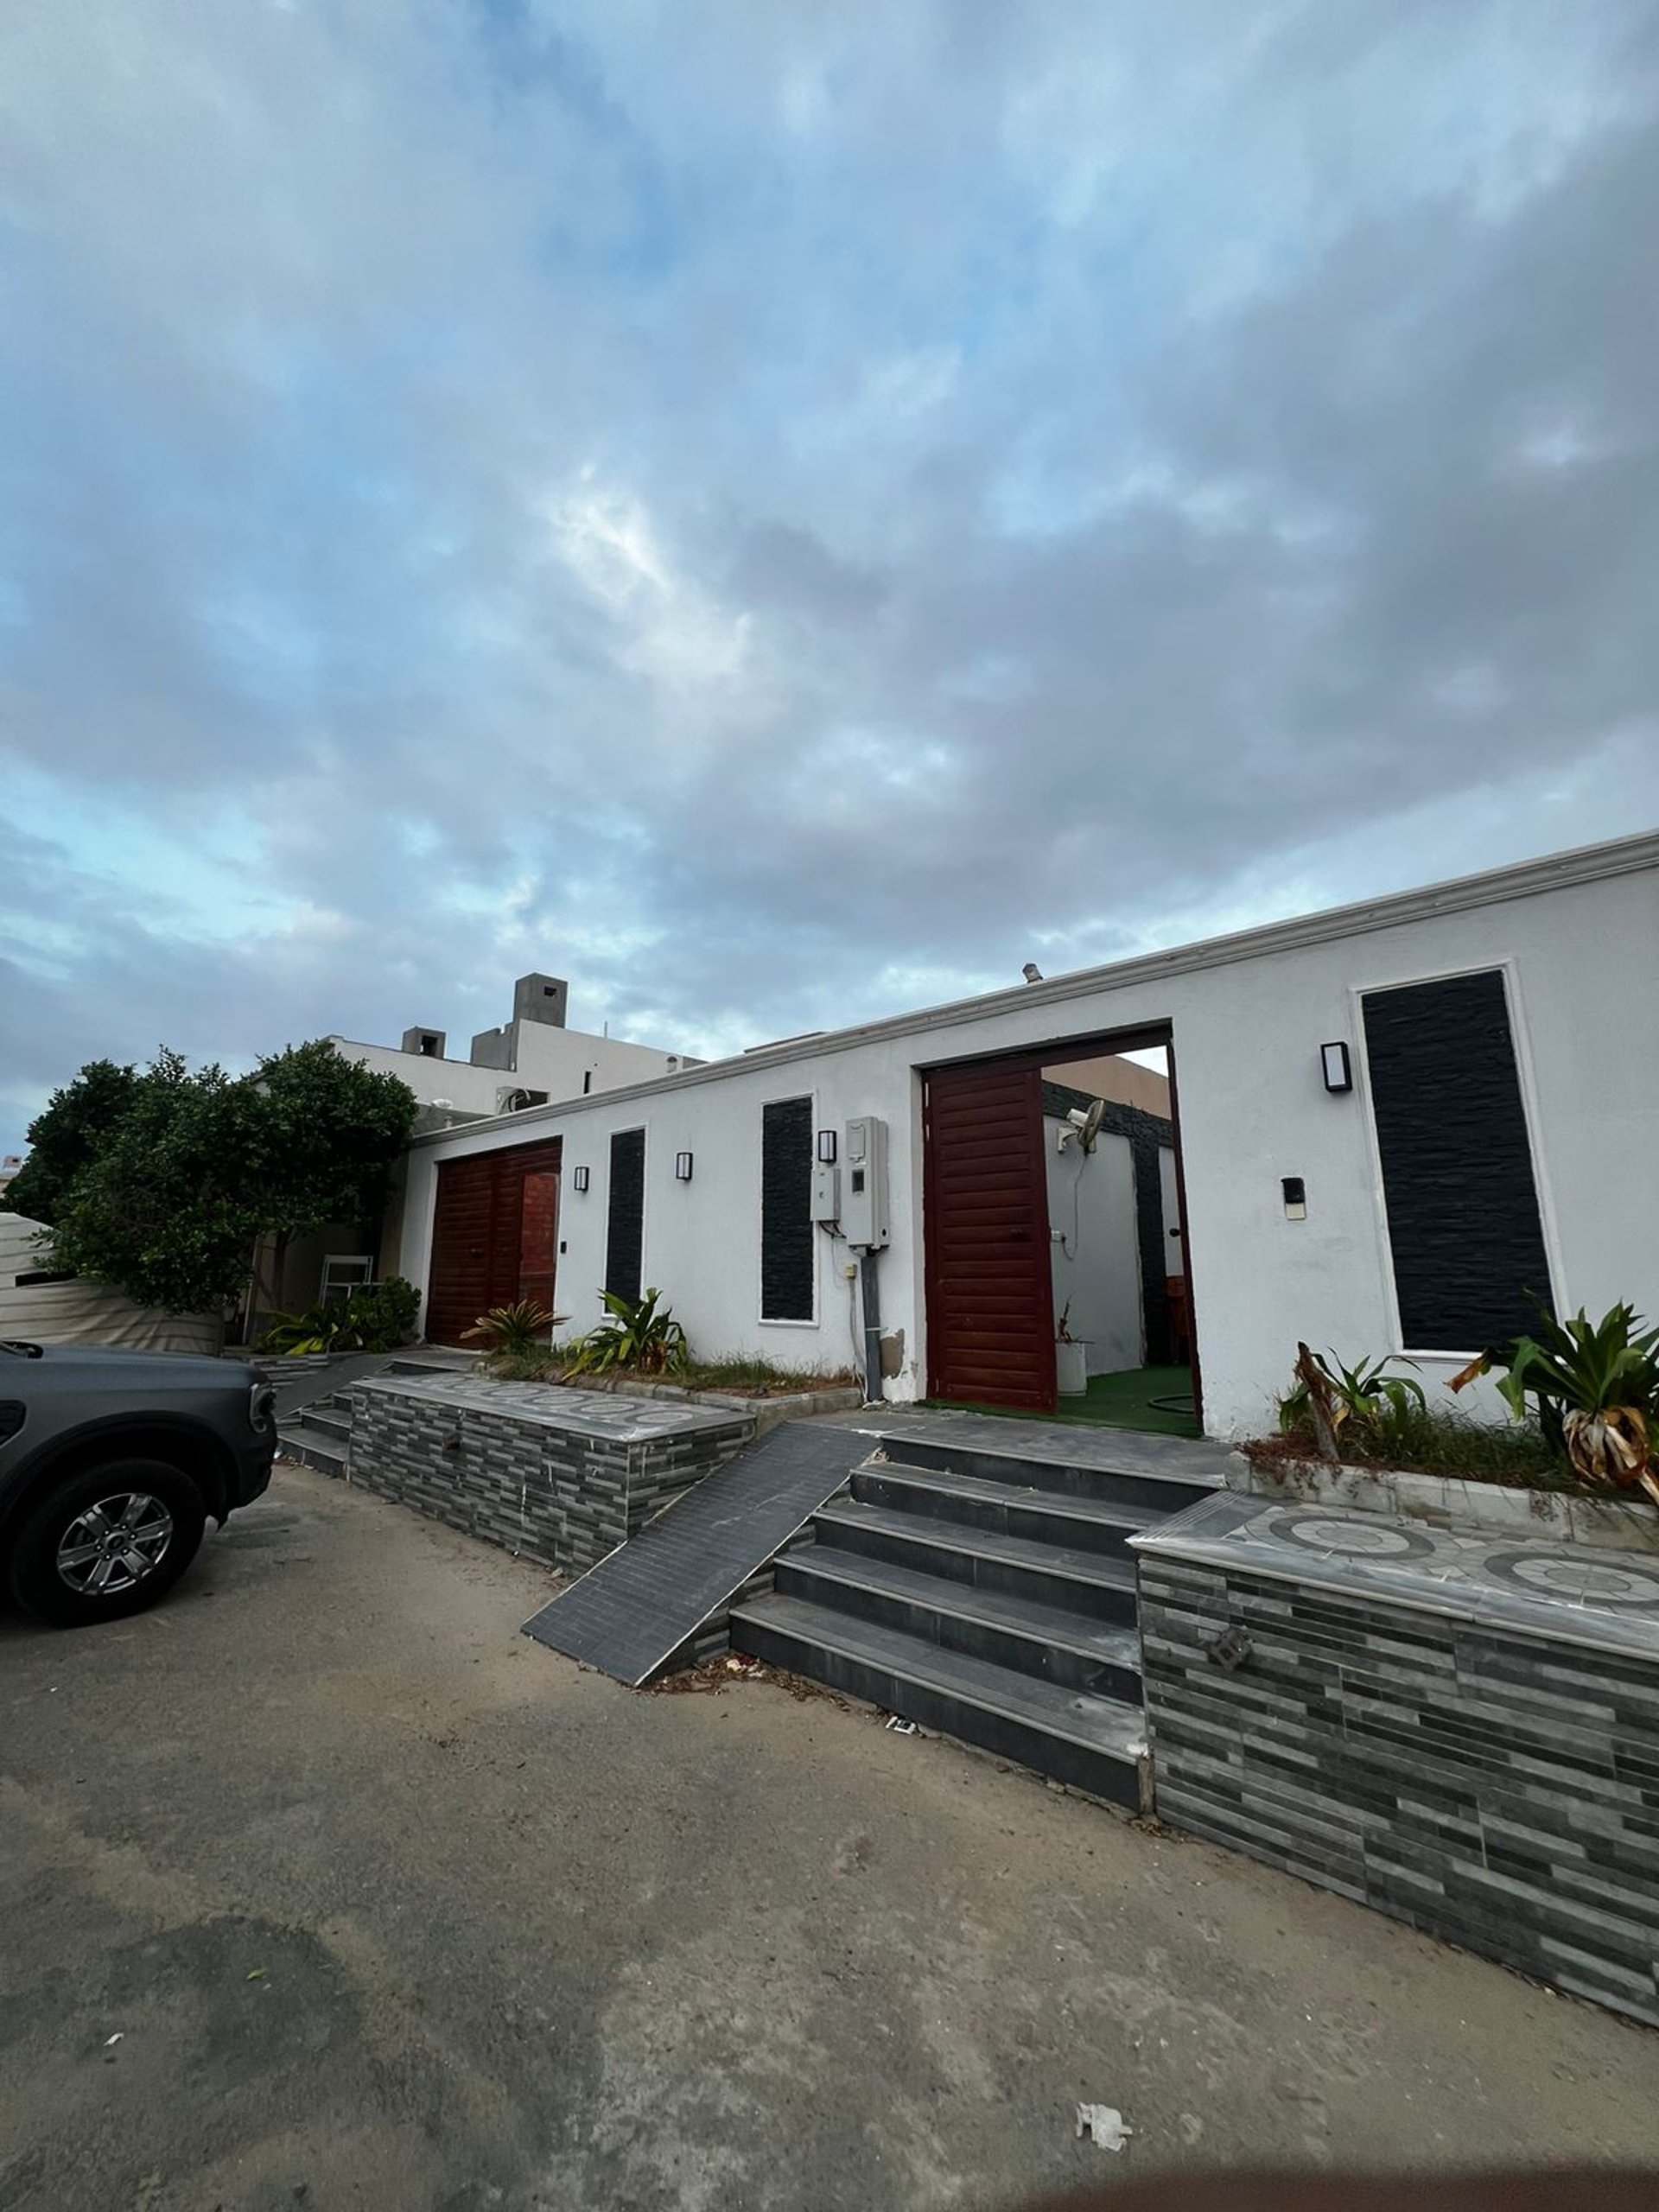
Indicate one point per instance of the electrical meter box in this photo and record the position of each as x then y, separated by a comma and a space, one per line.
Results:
864, 1183
826, 1194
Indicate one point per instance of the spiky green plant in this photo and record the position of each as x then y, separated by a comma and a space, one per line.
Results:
1329, 1396
1595, 1385
639, 1336
510, 1332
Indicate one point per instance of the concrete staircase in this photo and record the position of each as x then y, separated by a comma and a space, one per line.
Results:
976, 1581
317, 1431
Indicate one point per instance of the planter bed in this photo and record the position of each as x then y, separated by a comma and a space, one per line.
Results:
1612, 1524
1458, 1727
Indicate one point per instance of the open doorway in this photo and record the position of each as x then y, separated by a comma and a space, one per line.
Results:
1055, 1242
1123, 1326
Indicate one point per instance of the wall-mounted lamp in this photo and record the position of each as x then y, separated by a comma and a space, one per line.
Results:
579, 1178
826, 1147
1338, 1074
682, 1167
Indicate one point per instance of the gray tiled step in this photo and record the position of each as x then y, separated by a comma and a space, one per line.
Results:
1013, 1632
1092, 1742
1094, 1524
313, 1447
331, 1419
1075, 1579
1164, 1472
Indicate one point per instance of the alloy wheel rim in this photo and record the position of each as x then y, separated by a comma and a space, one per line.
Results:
113, 1545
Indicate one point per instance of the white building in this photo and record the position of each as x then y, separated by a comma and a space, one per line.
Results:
533, 1060
1396, 1124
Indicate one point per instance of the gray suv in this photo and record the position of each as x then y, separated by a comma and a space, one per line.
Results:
110, 1463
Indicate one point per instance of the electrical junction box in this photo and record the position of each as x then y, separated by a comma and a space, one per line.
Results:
864, 1218
826, 1194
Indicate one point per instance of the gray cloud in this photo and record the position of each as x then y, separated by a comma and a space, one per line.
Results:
777, 519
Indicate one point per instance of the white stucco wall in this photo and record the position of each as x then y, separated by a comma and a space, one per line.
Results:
1247, 1021
1096, 1257
551, 1059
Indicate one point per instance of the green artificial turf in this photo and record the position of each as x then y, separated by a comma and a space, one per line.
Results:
1120, 1400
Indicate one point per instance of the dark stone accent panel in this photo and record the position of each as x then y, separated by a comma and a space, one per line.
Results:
788, 1254
1496, 1790
1464, 1224
624, 1222
560, 1496
1145, 1133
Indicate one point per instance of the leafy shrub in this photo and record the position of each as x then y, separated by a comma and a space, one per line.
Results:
1594, 1386
378, 1316
512, 1332
640, 1337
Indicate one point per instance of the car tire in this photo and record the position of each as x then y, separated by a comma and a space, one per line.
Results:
106, 1542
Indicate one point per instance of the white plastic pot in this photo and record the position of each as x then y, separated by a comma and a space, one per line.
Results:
1071, 1368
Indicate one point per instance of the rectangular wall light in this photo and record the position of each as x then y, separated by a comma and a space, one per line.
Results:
1338, 1074
826, 1147
682, 1167
579, 1178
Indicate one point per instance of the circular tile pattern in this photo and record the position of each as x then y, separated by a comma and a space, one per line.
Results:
1627, 1585
1360, 1539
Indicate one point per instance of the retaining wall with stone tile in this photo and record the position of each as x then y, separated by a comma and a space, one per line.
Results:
1461, 1732
550, 1475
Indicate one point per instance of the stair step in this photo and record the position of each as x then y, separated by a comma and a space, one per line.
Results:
1092, 1742
316, 1448
1012, 1510
1166, 1473
1017, 1633
333, 1420
1069, 1577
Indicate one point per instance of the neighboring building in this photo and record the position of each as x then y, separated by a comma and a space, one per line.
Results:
1399, 1123
533, 1060
43, 1304
9, 1166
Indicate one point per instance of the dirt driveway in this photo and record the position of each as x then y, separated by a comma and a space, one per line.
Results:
389, 1907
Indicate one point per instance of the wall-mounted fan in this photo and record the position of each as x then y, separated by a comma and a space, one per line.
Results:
1081, 1128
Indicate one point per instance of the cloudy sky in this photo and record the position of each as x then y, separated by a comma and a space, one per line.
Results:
782, 513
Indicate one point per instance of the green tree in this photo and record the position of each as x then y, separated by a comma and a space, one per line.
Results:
330, 1129
169, 1209
172, 1200
78, 1123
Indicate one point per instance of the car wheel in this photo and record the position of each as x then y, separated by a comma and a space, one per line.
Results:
106, 1542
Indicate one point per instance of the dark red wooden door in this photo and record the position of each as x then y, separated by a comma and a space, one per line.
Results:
991, 1293
494, 1236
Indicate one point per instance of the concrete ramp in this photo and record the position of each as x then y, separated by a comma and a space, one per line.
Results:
639, 1608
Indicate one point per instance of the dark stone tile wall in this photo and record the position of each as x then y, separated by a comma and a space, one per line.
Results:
1498, 1791
561, 1497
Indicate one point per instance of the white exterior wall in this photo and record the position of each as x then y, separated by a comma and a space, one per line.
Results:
1249, 1018
1096, 1254
550, 1058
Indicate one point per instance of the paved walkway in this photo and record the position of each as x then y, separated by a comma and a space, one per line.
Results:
389, 1907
